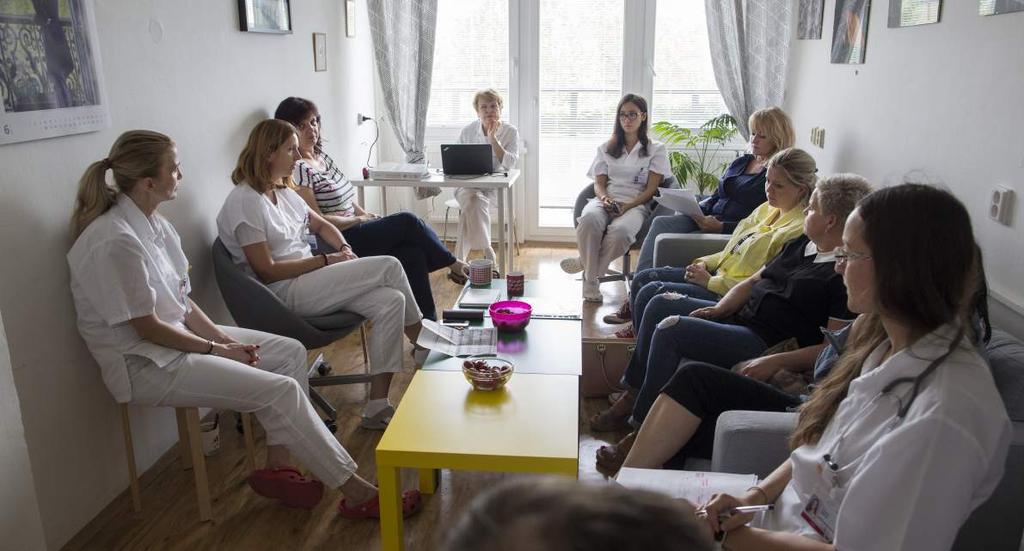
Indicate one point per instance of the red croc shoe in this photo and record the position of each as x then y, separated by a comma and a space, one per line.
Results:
370, 508
288, 485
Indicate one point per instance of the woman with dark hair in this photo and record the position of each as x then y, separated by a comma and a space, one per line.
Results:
323, 187
908, 434
626, 171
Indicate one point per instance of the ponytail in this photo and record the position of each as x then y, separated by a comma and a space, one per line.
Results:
136, 154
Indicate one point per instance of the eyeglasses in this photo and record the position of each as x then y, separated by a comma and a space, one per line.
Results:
633, 115
843, 255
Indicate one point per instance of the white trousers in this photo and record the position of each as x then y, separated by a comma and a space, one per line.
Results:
374, 287
474, 221
601, 238
276, 391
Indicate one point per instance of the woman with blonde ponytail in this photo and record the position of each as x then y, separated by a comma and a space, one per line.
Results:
907, 435
155, 346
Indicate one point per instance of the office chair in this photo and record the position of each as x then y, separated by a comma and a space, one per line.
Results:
254, 306
587, 193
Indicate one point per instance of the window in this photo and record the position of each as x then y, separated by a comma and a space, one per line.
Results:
684, 81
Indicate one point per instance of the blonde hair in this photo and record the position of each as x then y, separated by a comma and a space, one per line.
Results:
798, 167
839, 194
135, 155
253, 166
775, 124
489, 94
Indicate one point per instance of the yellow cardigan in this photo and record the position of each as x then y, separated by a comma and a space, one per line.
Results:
752, 245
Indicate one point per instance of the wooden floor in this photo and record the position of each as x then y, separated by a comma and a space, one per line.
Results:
243, 520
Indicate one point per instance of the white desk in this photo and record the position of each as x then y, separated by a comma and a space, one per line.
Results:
498, 181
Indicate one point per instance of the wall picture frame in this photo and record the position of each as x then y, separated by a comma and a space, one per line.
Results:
997, 7
265, 16
811, 13
850, 31
319, 52
350, 18
910, 13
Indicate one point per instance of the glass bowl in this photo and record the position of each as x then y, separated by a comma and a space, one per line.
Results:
487, 373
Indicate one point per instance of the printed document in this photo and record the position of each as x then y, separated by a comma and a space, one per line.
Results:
680, 200
458, 342
693, 486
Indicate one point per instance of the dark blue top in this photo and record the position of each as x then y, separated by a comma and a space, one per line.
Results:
737, 196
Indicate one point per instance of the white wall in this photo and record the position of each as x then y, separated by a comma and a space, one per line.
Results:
182, 68
943, 99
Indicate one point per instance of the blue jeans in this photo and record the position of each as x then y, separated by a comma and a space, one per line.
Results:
654, 281
677, 336
678, 223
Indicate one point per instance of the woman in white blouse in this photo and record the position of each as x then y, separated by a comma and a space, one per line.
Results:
267, 228
908, 434
626, 172
475, 203
156, 347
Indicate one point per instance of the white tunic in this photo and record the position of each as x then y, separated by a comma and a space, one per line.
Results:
125, 266
508, 137
908, 486
249, 217
627, 175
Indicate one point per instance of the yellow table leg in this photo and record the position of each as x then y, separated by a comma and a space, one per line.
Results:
428, 480
390, 508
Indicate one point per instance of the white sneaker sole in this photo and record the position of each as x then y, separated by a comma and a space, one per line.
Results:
571, 265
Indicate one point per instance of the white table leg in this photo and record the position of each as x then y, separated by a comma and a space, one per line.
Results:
502, 244
384, 200
513, 232
361, 196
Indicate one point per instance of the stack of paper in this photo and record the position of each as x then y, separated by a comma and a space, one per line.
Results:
680, 200
693, 486
458, 342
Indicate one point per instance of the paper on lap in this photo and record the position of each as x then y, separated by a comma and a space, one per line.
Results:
693, 486
682, 201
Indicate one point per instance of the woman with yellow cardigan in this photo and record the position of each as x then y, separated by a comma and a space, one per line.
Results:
757, 239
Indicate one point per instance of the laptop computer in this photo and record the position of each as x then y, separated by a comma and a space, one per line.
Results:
466, 159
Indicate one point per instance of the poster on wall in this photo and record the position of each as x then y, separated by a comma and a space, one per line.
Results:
850, 31
996, 7
50, 74
908, 13
808, 25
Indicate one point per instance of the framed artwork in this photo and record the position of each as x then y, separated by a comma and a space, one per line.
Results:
51, 81
265, 16
808, 26
350, 18
908, 13
850, 31
319, 52
996, 7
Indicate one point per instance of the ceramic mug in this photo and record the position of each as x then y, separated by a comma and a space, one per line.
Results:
480, 271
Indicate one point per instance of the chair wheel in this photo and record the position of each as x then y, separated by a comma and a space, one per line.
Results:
331, 425
323, 369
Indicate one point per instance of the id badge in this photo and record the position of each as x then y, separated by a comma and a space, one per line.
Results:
310, 237
184, 288
820, 514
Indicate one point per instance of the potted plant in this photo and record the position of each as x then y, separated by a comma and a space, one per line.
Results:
695, 162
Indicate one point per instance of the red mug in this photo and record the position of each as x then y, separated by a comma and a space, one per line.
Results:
515, 284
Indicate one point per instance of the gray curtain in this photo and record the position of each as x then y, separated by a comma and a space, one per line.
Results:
749, 51
403, 46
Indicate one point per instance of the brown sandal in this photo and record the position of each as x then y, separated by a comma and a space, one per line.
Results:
610, 458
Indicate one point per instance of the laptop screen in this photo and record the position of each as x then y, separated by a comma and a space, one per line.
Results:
466, 159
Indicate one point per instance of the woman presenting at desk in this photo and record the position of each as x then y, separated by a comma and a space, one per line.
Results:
475, 203
328, 193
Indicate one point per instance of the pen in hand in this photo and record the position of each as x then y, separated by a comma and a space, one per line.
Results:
735, 510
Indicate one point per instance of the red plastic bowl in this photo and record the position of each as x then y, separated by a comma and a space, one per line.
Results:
509, 316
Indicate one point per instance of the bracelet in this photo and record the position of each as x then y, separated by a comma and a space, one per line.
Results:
324, 255
210, 351
763, 493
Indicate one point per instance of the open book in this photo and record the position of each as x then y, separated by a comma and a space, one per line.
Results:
682, 201
693, 486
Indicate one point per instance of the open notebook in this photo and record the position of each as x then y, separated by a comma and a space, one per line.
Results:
693, 486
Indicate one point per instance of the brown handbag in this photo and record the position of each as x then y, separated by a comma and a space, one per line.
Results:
604, 362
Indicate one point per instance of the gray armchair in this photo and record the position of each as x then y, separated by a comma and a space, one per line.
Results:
679, 249
756, 442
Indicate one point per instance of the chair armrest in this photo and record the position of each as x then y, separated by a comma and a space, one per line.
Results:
679, 249
751, 441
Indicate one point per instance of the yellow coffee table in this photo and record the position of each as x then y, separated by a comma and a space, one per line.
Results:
442, 423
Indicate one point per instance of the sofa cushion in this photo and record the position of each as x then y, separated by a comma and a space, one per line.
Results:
1005, 356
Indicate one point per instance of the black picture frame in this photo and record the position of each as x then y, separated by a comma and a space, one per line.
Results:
265, 16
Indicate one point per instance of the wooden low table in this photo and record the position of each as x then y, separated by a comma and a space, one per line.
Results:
531, 425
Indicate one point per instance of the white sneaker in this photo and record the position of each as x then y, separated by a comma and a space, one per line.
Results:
571, 265
592, 291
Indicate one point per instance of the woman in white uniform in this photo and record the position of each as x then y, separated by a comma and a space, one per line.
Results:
155, 347
267, 227
626, 172
475, 203
908, 434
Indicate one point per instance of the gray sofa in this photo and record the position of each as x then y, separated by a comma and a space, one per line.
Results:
756, 442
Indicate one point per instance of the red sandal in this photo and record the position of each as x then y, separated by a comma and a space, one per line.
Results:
288, 485
370, 508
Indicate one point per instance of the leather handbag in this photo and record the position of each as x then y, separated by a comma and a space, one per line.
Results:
604, 362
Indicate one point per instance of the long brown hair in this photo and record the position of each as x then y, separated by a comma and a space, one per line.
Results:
296, 110
920, 286
253, 166
135, 155
617, 145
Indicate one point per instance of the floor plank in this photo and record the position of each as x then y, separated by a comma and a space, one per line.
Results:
243, 520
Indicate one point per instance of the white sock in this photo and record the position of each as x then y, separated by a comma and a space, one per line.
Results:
373, 407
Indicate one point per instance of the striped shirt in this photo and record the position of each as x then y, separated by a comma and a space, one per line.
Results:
334, 193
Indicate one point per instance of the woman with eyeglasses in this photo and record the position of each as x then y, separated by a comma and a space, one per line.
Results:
323, 187
626, 172
757, 239
908, 434
740, 191
790, 299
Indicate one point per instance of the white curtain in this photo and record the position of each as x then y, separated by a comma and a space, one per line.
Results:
749, 51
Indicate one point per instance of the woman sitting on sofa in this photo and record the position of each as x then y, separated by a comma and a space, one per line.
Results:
791, 298
908, 434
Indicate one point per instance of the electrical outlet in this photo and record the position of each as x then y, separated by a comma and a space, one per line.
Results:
360, 118
1001, 204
